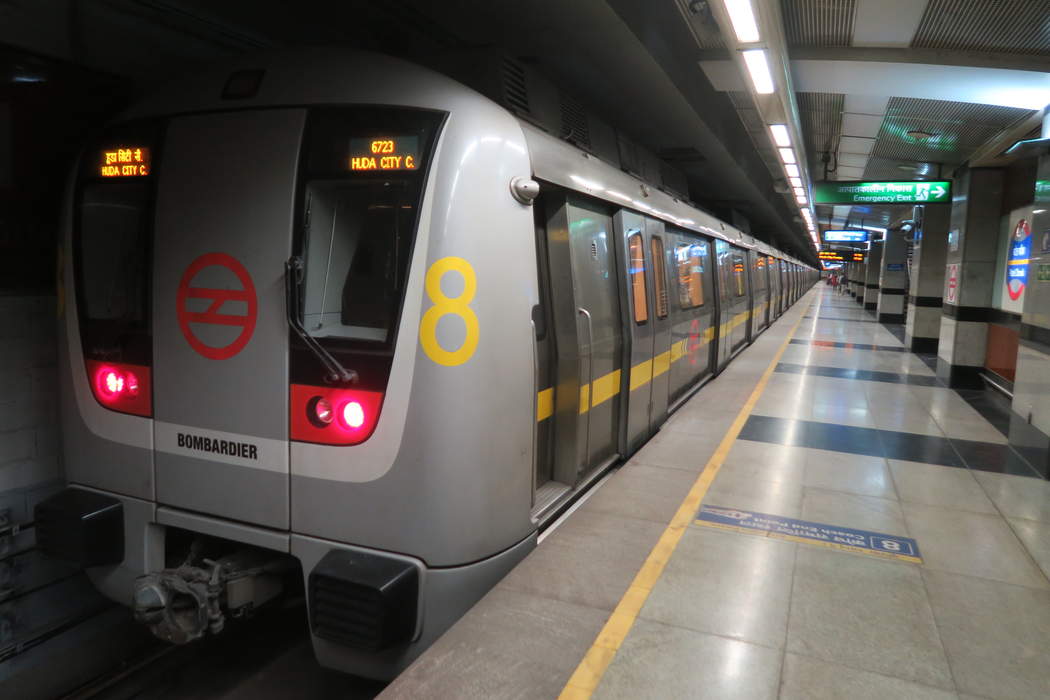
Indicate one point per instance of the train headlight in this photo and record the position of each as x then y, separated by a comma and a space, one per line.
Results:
329, 415
121, 387
353, 414
319, 411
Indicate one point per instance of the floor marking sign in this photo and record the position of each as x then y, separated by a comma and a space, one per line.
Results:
218, 297
833, 536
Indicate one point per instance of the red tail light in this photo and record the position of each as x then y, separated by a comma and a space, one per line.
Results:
333, 416
121, 387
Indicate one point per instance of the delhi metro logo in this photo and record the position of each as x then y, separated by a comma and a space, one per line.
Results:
188, 306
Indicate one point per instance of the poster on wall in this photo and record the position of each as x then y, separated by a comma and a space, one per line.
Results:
951, 294
1018, 252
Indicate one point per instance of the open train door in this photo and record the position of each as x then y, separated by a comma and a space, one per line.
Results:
225, 204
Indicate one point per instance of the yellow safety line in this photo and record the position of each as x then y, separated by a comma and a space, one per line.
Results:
584, 680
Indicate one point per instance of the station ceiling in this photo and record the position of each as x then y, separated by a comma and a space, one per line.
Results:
884, 89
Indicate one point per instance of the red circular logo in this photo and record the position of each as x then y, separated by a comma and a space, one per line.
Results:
218, 297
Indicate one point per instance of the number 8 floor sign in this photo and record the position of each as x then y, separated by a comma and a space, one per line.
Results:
443, 306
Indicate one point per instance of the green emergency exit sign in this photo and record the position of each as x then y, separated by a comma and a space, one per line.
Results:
896, 192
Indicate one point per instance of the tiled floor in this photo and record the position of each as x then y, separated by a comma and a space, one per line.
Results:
854, 431
850, 431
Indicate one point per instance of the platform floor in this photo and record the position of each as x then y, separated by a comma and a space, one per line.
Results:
826, 419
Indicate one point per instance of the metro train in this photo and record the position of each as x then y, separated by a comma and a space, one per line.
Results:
334, 324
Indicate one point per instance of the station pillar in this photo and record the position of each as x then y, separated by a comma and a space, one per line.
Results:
969, 278
857, 288
893, 277
871, 281
922, 328
1030, 419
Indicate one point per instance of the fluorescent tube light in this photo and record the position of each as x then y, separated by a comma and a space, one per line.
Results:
787, 155
801, 199
796, 181
799, 190
742, 16
792, 170
758, 67
781, 137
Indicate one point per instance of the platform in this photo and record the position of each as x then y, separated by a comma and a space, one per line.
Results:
824, 520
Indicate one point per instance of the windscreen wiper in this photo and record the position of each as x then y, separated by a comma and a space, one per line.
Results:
293, 280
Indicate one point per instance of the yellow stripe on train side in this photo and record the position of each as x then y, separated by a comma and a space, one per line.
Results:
677, 351
607, 386
544, 404
604, 388
661, 363
641, 374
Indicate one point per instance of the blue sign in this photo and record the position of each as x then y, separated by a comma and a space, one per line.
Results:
845, 236
844, 538
895, 267
1017, 265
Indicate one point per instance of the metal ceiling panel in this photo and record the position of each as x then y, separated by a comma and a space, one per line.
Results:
996, 26
819, 23
854, 144
820, 116
957, 129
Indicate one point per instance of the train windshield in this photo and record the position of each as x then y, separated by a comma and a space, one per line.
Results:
366, 173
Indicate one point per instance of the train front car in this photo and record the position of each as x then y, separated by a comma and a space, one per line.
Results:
298, 295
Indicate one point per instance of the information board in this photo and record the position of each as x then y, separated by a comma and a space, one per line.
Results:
846, 236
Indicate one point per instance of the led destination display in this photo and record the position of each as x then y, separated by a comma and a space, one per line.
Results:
384, 153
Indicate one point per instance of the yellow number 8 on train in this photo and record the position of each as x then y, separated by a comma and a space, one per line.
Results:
443, 305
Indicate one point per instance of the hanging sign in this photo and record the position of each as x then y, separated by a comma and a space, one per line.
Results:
891, 192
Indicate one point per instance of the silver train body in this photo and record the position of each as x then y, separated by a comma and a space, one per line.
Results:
316, 310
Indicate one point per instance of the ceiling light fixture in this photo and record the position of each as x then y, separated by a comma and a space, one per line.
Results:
795, 181
787, 155
758, 67
920, 135
781, 137
792, 170
742, 15
801, 199
799, 190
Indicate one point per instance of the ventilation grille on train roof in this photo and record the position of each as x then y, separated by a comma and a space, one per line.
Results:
362, 600
574, 126
515, 87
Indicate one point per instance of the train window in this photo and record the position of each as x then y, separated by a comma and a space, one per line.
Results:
738, 275
636, 270
113, 248
690, 260
359, 223
656, 247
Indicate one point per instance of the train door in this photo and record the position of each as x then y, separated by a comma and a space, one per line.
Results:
658, 250
545, 487
723, 266
225, 205
771, 274
760, 293
635, 240
692, 313
741, 298
585, 315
